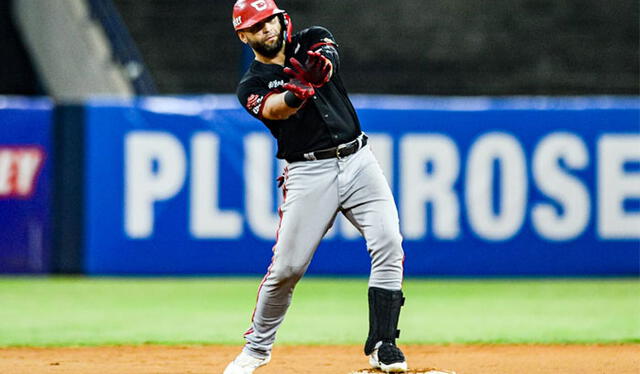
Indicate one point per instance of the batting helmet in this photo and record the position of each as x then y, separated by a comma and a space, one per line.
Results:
247, 13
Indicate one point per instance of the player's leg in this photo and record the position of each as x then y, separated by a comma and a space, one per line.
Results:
307, 212
370, 206
367, 202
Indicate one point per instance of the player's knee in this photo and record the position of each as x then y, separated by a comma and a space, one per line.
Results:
288, 274
387, 250
390, 242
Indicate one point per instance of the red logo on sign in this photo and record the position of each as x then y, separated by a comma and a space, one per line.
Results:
19, 170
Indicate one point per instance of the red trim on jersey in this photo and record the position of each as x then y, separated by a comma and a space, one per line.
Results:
264, 100
317, 45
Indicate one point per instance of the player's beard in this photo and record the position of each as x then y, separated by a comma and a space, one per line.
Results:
266, 50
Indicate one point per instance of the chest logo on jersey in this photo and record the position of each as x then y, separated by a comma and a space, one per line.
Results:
276, 83
253, 103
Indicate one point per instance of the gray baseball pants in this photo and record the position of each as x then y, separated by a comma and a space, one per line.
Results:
315, 191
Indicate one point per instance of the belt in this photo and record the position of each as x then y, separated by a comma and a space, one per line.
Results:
339, 152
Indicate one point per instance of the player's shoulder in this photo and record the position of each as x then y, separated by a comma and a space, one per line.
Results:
249, 80
249, 76
315, 33
256, 73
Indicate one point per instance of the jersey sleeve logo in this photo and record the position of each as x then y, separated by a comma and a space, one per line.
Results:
253, 103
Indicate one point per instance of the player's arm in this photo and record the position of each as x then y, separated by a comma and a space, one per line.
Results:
272, 105
276, 107
279, 106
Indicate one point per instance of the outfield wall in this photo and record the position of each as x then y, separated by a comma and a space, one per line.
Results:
484, 187
26, 169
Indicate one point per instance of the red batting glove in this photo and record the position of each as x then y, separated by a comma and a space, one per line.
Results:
319, 68
316, 71
302, 90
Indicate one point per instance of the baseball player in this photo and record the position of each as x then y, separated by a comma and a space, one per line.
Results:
294, 87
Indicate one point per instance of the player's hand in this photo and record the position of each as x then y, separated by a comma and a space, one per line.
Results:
319, 68
316, 71
301, 89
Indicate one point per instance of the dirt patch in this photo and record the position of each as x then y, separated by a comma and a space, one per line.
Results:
463, 359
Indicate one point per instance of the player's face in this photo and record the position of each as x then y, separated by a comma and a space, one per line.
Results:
266, 37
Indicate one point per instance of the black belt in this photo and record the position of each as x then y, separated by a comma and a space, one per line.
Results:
341, 151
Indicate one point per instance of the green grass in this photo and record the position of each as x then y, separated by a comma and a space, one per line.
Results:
98, 311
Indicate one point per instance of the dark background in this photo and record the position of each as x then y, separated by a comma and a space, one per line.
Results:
17, 76
431, 47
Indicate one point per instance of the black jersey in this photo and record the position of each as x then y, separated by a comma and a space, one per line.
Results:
325, 120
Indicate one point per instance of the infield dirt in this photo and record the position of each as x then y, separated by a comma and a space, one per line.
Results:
463, 359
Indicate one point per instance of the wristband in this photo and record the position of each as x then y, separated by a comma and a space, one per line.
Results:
292, 100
